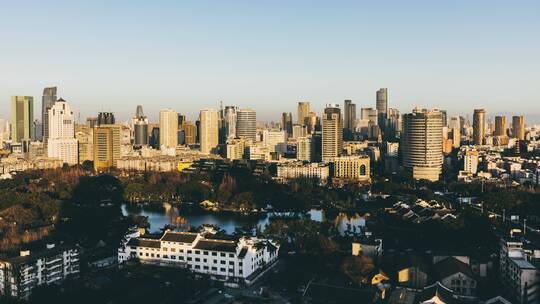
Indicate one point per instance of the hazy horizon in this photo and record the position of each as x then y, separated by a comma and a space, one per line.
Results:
106, 56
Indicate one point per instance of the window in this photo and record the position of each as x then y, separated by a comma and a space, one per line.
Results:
222, 254
214, 268
157, 255
165, 249
214, 253
189, 258
222, 269
147, 254
215, 261
173, 249
205, 267
181, 258
231, 263
197, 260
222, 262
197, 252
165, 256
205, 252
140, 253
152, 255
363, 170
189, 251
240, 263
173, 257
231, 255
205, 260
197, 267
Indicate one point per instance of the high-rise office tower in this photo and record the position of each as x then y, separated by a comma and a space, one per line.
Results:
61, 142
312, 123
369, 114
455, 127
168, 128
107, 143
444, 118
47, 101
332, 132
286, 123
275, 140
518, 127
140, 128
209, 130
190, 133
393, 124
382, 106
246, 124
303, 111
479, 126
421, 144
500, 126
304, 148
229, 121
349, 115
22, 118
106, 118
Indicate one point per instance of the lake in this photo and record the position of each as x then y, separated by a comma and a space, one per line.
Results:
159, 217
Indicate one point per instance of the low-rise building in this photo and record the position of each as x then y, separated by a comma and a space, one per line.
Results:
301, 170
351, 168
235, 261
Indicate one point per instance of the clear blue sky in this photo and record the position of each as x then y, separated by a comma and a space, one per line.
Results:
268, 55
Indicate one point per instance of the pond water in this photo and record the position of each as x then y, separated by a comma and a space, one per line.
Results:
159, 217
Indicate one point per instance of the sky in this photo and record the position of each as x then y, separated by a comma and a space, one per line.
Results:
268, 55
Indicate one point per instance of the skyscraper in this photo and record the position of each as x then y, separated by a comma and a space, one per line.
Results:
107, 138
518, 127
209, 130
303, 149
140, 128
455, 127
229, 120
190, 133
349, 116
312, 123
382, 106
286, 123
22, 118
246, 124
332, 132
47, 101
421, 144
61, 142
168, 128
479, 126
500, 126
303, 111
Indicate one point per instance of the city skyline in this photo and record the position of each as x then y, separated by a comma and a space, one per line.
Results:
455, 56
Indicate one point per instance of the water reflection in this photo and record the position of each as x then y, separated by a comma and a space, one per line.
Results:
161, 215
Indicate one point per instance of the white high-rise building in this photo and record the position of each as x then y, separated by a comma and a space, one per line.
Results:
303, 149
209, 130
421, 144
275, 141
61, 140
229, 120
168, 128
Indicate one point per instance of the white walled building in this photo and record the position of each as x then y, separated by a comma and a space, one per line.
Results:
470, 161
301, 170
234, 261
61, 142
20, 274
275, 141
